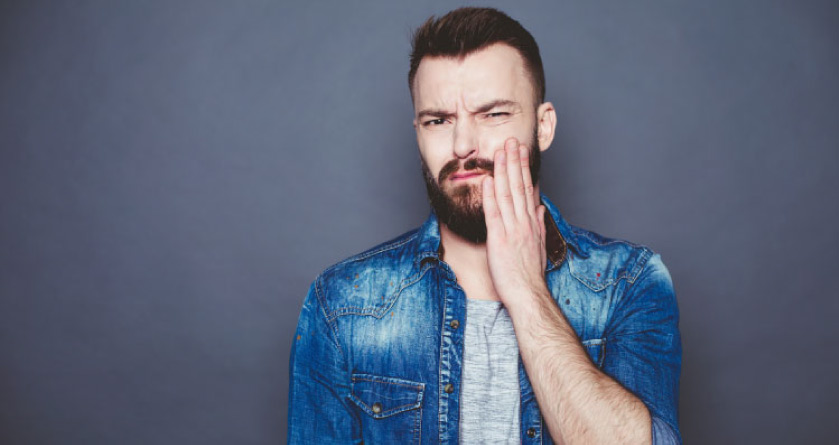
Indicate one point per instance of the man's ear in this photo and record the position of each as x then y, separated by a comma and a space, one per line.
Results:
545, 125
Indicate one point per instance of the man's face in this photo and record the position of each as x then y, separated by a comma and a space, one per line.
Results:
464, 111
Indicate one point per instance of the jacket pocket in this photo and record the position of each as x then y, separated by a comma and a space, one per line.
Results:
595, 348
391, 408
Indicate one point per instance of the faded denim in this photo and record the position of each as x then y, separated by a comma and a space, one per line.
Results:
378, 350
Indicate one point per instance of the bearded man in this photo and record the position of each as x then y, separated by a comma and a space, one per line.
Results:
496, 321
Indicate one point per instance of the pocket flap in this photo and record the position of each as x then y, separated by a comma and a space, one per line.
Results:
595, 347
381, 396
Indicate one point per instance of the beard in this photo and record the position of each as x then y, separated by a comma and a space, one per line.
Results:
461, 208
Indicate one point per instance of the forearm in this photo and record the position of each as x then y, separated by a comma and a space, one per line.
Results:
580, 404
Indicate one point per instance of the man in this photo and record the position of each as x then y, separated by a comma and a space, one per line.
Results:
496, 321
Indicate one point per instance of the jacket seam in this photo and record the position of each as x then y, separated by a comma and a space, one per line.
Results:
360, 379
379, 312
329, 322
641, 263
641, 256
640, 266
440, 421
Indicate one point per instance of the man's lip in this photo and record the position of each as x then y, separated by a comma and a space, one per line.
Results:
466, 175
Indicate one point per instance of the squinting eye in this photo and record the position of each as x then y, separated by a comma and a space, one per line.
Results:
498, 114
434, 122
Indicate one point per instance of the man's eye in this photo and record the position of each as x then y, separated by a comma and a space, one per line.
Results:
434, 122
498, 114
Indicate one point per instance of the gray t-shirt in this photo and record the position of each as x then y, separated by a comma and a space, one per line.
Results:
489, 402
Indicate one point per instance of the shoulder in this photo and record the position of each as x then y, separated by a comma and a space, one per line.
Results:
599, 261
364, 283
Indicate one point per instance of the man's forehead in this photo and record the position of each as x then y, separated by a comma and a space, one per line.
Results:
490, 74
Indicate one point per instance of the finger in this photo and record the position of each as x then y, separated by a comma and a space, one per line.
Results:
516, 181
530, 203
503, 197
491, 212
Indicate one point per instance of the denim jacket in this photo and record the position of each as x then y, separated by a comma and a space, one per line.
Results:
377, 355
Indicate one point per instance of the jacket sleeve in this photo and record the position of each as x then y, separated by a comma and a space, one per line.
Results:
319, 382
643, 347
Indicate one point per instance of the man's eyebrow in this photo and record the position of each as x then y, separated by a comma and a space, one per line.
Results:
432, 112
495, 104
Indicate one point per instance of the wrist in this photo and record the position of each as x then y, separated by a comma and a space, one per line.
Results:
529, 301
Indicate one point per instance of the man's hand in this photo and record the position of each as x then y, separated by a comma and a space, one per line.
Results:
580, 404
515, 227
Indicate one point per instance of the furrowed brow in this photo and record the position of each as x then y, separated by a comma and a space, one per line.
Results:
430, 112
434, 113
496, 104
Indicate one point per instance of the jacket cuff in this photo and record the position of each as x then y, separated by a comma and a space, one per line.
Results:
663, 434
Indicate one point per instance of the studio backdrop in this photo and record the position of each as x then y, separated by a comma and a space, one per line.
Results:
174, 174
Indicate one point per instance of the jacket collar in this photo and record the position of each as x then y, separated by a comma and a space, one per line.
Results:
559, 238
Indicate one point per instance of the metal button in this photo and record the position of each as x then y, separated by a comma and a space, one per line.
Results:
449, 388
531, 433
454, 324
377, 407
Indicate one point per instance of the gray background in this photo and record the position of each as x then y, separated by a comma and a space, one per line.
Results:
174, 174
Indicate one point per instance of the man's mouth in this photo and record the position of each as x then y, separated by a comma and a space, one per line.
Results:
466, 175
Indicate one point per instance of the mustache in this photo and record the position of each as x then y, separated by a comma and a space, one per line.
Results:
471, 164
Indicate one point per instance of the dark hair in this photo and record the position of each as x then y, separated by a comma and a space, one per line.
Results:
466, 30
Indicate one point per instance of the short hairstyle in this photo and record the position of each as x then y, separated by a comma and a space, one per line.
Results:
464, 31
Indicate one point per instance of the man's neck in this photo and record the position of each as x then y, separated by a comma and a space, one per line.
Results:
468, 261
459, 250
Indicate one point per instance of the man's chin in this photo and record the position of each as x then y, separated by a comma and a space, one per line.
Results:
465, 220
460, 208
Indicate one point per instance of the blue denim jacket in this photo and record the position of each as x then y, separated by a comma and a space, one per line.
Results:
377, 355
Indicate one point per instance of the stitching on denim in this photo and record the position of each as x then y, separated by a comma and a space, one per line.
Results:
360, 379
418, 426
329, 322
380, 311
630, 276
649, 254
362, 256
600, 345
440, 362
641, 263
407, 407
631, 334
407, 282
588, 284
387, 413
641, 254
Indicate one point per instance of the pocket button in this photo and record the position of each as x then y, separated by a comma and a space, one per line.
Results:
531, 433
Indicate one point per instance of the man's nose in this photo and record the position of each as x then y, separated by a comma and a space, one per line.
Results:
465, 139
